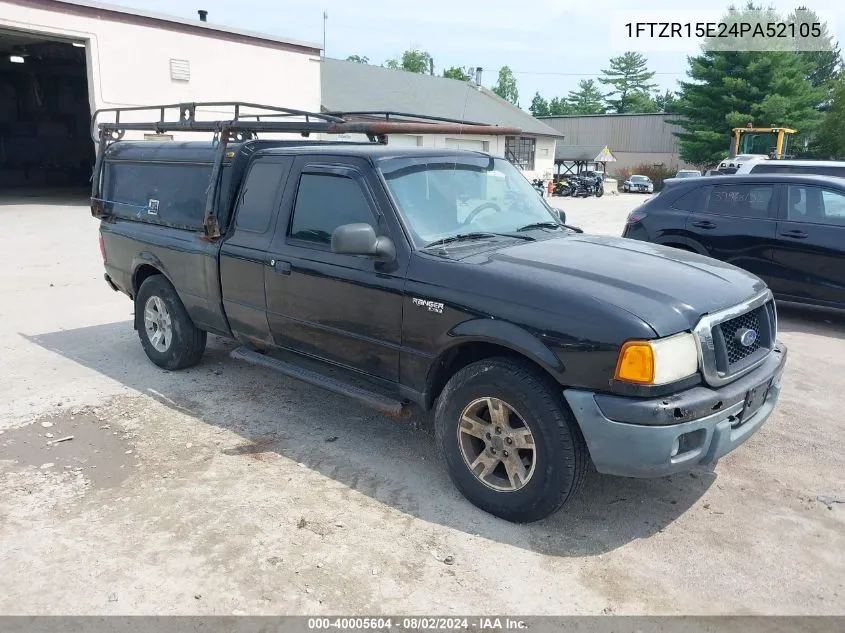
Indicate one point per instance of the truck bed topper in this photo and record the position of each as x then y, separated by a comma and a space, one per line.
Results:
247, 120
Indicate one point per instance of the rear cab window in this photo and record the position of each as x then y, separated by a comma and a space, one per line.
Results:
256, 207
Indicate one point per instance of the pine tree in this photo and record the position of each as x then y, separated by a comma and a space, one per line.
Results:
729, 88
539, 106
559, 107
829, 139
628, 75
588, 99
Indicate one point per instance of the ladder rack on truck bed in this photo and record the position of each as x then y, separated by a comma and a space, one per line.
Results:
249, 119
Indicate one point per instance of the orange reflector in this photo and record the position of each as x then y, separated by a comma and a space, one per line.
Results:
636, 363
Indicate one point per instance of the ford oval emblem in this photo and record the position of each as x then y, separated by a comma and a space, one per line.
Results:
746, 337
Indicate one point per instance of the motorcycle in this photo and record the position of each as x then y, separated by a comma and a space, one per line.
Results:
540, 186
561, 188
585, 186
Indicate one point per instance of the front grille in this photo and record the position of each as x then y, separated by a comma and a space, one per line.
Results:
736, 350
730, 354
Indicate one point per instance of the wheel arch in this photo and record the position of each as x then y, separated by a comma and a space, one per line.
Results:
479, 339
144, 266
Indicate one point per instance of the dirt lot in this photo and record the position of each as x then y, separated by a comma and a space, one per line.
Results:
227, 489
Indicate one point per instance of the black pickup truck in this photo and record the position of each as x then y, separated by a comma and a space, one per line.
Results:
438, 278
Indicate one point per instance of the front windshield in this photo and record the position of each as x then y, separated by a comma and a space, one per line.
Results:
444, 196
639, 179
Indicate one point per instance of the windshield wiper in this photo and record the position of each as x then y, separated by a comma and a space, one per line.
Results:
540, 225
465, 237
549, 225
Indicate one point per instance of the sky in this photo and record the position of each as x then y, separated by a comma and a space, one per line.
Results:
549, 44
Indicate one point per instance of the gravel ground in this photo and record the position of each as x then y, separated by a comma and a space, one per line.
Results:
227, 489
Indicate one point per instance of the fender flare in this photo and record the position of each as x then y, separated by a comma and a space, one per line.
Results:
501, 333
145, 258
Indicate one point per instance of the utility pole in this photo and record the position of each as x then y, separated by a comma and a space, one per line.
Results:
325, 18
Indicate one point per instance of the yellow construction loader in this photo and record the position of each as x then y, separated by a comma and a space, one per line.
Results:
756, 143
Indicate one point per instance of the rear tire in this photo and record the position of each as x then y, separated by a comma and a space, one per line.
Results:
169, 337
505, 417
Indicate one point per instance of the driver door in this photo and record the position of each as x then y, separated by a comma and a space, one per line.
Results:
343, 309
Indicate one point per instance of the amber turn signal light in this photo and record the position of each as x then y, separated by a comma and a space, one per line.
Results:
636, 363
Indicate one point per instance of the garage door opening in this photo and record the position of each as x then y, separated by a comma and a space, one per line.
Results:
45, 139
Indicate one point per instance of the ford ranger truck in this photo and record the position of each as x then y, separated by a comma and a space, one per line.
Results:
438, 279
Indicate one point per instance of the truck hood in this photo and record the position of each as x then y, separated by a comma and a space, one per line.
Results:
667, 288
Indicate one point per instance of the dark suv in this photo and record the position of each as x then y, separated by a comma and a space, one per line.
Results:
787, 229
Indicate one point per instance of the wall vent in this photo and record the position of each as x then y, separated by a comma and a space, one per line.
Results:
180, 70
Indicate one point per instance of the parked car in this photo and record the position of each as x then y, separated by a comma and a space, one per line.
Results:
641, 184
789, 166
688, 173
787, 229
438, 278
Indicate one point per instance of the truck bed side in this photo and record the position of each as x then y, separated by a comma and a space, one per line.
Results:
135, 250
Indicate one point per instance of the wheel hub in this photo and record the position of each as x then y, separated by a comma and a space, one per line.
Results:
496, 444
158, 324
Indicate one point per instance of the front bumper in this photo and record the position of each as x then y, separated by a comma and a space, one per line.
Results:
635, 437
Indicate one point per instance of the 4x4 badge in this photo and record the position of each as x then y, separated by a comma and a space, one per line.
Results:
433, 306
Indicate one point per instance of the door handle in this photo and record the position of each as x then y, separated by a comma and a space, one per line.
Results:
281, 268
795, 234
704, 224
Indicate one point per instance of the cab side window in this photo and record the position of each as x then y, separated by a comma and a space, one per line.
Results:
258, 196
325, 202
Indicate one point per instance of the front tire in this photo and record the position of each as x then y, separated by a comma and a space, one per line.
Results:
510, 444
169, 337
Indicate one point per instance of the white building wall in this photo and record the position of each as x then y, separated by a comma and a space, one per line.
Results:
544, 157
129, 64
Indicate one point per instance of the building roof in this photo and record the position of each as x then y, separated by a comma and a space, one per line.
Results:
114, 12
607, 114
353, 87
589, 153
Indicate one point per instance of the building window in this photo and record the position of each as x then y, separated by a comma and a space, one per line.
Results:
520, 151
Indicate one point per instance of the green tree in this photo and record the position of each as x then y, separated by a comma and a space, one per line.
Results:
588, 99
414, 61
559, 107
642, 103
506, 86
829, 139
359, 59
539, 106
627, 76
457, 72
667, 102
729, 88
822, 65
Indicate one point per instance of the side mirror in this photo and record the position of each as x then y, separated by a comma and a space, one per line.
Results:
561, 215
361, 239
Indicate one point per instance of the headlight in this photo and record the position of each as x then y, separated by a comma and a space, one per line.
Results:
658, 362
